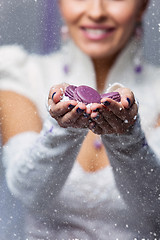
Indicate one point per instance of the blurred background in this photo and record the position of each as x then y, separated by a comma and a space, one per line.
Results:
35, 24
32, 23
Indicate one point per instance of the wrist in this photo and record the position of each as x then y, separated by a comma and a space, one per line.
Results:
130, 138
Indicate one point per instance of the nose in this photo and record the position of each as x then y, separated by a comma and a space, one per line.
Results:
96, 10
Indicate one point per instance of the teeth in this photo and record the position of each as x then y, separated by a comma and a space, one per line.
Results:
96, 32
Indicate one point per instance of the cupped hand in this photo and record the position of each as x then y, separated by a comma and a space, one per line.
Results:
66, 113
114, 117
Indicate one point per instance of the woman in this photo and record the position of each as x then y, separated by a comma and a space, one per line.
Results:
74, 185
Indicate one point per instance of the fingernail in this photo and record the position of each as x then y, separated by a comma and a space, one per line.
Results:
106, 103
96, 110
96, 118
79, 110
90, 120
86, 115
70, 106
53, 95
92, 125
129, 101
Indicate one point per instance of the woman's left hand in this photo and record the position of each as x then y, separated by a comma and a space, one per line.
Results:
114, 117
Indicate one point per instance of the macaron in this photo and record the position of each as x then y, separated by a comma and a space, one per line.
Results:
86, 95
113, 95
69, 92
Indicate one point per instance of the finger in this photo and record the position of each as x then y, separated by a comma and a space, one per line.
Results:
72, 116
110, 105
101, 130
119, 125
95, 107
107, 119
102, 123
55, 95
97, 117
124, 114
105, 122
127, 97
56, 92
119, 110
132, 114
81, 122
96, 112
95, 128
61, 108
115, 124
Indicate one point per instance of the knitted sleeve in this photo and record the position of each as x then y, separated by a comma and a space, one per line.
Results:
37, 165
136, 169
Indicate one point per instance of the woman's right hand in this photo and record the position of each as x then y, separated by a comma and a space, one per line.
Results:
67, 113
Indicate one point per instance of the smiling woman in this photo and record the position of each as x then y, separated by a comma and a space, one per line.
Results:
85, 170
101, 28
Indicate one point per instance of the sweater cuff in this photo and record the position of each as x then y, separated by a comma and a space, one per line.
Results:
127, 142
51, 129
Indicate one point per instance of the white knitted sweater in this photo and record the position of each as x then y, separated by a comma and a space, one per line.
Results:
62, 200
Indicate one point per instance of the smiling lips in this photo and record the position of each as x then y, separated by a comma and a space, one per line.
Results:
97, 33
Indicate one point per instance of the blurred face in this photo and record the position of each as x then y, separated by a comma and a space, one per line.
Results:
101, 28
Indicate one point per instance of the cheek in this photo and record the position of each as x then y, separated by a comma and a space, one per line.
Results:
69, 11
125, 16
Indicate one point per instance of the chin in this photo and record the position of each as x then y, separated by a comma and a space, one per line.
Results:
98, 53
98, 50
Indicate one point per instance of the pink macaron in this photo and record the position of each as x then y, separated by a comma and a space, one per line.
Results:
113, 95
86, 95
69, 92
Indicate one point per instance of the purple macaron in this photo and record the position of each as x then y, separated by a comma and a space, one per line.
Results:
69, 92
113, 95
86, 95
